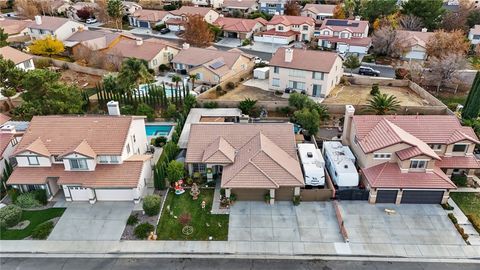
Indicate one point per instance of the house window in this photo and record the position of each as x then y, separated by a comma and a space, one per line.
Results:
280, 28
134, 139
128, 148
33, 160
436, 146
382, 156
296, 85
78, 164
476, 36
113, 159
317, 90
276, 70
102, 159
305, 28
459, 148
199, 167
325, 33
418, 164
14, 141
27, 64
73, 30
275, 82
296, 73
154, 62
318, 75
56, 158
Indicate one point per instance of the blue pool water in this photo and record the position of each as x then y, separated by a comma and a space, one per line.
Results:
158, 130
296, 128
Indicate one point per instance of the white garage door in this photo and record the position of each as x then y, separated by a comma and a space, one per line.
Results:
173, 27
114, 194
79, 193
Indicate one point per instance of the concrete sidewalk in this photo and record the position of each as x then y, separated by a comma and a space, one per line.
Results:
85, 248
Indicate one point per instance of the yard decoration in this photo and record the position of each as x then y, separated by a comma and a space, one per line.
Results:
178, 187
152, 236
194, 191
203, 204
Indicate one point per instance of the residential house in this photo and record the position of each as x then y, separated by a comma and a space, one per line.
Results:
179, 18
11, 133
314, 73
16, 29
212, 66
88, 158
239, 6
344, 36
57, 27
283, 29
93, 40
250, 160
216, 4
319, 12
273, 7
148, 18
473, 34
415, 43
130, 7
409, 158
240, 28
155, 51
20, 59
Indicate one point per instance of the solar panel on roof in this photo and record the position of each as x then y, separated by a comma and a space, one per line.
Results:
217, 64
342, 23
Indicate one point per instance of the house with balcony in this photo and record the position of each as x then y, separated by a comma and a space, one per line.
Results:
87, 158
474, 35
179, 17
344, 36
410, 158
415, 43
273, 7
250, 160
314, 73
57, 27
284, 30
20, 59
239, 6
319, 12
212, 66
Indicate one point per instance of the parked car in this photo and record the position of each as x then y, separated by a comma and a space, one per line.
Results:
258, 60
368, 71
91, 20
164, 31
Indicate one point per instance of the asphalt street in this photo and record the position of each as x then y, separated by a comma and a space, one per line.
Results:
217, 264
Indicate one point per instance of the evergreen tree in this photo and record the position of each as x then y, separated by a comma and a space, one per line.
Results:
471, 109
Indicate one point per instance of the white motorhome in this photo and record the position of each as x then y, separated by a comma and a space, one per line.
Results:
313, 164
340, 163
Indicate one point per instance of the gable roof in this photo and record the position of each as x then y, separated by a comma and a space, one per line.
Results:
291, 20
49, 23
102, 38
13, 27
238, 24
354, 26
150, 15
149, 48
320, 8
305, 60
413, 38
191, 10
219, 151
194, 56
4, 118
83, 148
240, 4
56, 135
14, 55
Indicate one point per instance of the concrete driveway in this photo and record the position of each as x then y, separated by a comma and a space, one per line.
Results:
283, 222
99, 221
411, 224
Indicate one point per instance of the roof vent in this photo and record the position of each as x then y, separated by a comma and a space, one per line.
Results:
310, 154
345, 166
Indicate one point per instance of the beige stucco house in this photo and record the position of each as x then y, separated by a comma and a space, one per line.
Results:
315, 73
282, 29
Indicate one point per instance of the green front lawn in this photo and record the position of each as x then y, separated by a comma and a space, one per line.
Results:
469, 203
36, 218
204, 224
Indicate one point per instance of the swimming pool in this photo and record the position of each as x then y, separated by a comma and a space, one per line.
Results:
158, 130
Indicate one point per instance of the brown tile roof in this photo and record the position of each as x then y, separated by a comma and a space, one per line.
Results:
175, 21
273, 32
83, 148
4, 118
129, 48
49, 23
14, 55
353, 26
431, 129
291, 20
305, 60
125, 175
106, 135
411, 152
475, 30
5, 139
464, 162
194, 56
150, 15
190, 10
355, 41
37, 147
237, 24
265, 153
320, 8
413, 38
388, 175
13, 27
106, 38
219, 151
240, 4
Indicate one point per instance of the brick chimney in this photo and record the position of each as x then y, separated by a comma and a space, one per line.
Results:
38, 20
347, 124
185, 46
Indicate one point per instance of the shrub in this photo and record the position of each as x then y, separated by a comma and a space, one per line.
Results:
246, 42
233, 197
143, 230
230, 85
369, 58
296, 200
41, 196
151, 205
267, 197
10, 215
42, 63
159, 27
401, 73
132, 220
447, 206
175, 137
43, 230
219, 88
13, 194
163, 68
278, 93
344, 80
160, 141
210, 105
27, 200
452, 218
170, 112
375, 90
475, 220
185, 219
459, 180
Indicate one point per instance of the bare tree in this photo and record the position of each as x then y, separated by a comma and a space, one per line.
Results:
417, 72
292, 8
387, 41
101, 11
26, 8
410, 22
444, 43
443, 69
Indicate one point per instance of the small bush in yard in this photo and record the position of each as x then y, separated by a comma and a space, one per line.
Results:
230, 85
185, 219
27, 200
143, 230
160, 141
10, 215
132, 220
447, 206
375, 90
43, 230
41, 196
151, 205
452, 218
296, 200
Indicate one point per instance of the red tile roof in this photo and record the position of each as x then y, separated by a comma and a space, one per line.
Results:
5, 139
237, 24
388, 175
273, 32
4, 118
411, 152
463, 162
291, 20
305, 60
320, 8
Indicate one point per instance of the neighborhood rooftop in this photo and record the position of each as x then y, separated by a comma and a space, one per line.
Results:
319, 61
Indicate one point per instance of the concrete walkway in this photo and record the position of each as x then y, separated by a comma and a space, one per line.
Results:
216, 201
473, 235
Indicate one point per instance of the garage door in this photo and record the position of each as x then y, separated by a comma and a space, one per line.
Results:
422, 196
284, 194
250, 194
144, 24
79, 193
114, 194
386, 196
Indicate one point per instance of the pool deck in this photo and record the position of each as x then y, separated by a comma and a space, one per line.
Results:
169, 136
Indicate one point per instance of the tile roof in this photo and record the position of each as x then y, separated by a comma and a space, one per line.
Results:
475, 30
83, 148
305, 60
320, 8
240, 4
355, 41
466, 162
291, 20
237, 24
146, 51
431, 129
410, 152
13, 27
273, 32
194, 56
4, 118
353, 26
55, 135
413, 38
49, 23
150, 15
219, 151
191, 10
102, 38
125, 175
5, 139
14, 55
388, 175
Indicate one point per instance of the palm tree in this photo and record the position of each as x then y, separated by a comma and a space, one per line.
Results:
192, 78
176, 79
383, 104
133, 72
